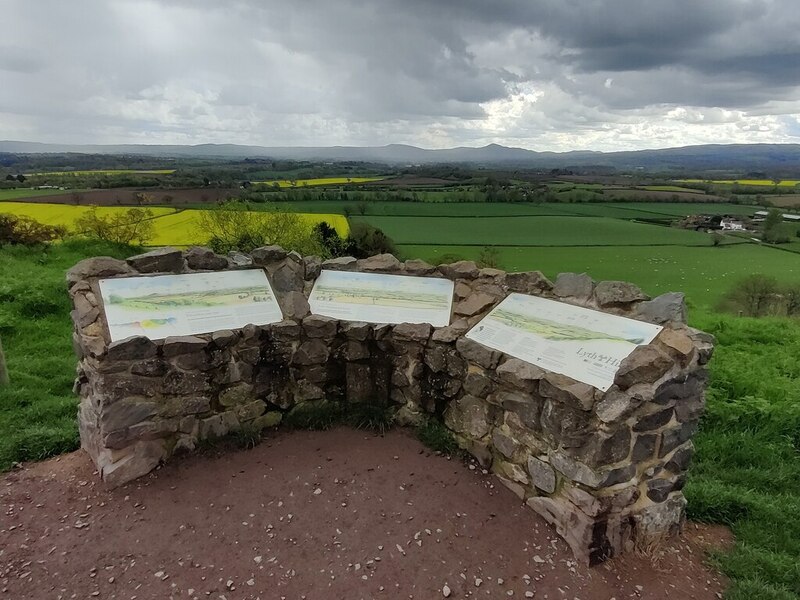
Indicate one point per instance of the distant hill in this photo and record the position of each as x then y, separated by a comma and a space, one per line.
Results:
743, 157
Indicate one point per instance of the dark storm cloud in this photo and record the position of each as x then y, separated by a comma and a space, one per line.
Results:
420, 71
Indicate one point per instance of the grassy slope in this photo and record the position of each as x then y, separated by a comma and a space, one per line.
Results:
37, 411
746, 472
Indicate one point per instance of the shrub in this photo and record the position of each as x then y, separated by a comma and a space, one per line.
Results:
368, 241
489, 257
231, 226
133, 226
755, 295
333, 244
25, 231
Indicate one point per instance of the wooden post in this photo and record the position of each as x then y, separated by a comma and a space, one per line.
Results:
3, 369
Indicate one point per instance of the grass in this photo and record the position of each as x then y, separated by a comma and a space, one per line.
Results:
705, 273
437, 437
299, 183
173, 227
30, 193
107, 172
746, 473
322, 415
534, 231
37, 411
670, 188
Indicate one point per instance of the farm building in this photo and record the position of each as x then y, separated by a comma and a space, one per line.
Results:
760, 215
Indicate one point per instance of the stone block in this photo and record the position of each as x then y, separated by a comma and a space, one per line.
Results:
528, 282
505, 444
311, 352
666, 308
644, 447
268, 255
236, 395
385, 263
475, 303
570, 426
218, 425
574, 285
477, 384
542, 475
267, 420
204, 259
415, 332
418, 267
136, 460
477, 353
653, 421
646, 364
97, 267
469, 416
136, 347
318, 326
294, 305
517, 488
561, 388
185, 344
343, 263
617, 293
680, 459
520, 374
675, 436
463, 269
161, 260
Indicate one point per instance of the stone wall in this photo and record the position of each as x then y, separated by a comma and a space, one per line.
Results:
606, 469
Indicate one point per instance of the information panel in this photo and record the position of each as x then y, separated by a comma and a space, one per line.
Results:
164, 305
376, 298
584, 344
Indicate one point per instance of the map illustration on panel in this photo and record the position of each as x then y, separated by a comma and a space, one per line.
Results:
377, 298
165, 305
584, 344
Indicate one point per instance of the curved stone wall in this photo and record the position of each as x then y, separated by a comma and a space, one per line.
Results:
605, 468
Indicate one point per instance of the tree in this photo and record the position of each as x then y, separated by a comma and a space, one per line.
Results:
369, 241
335, 246
755, 295
134, 226
232, 226
774, 231
25, 231
21, 178
10, 177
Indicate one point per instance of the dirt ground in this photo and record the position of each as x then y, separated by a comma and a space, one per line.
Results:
309, 515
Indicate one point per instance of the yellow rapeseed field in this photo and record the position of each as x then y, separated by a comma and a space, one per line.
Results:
753, 182
287, 183
173, 227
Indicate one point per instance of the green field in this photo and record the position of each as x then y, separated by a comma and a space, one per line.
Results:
533, 231
704, 274
106, 172
29, 193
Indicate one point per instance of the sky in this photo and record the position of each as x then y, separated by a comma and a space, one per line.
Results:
539, 74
